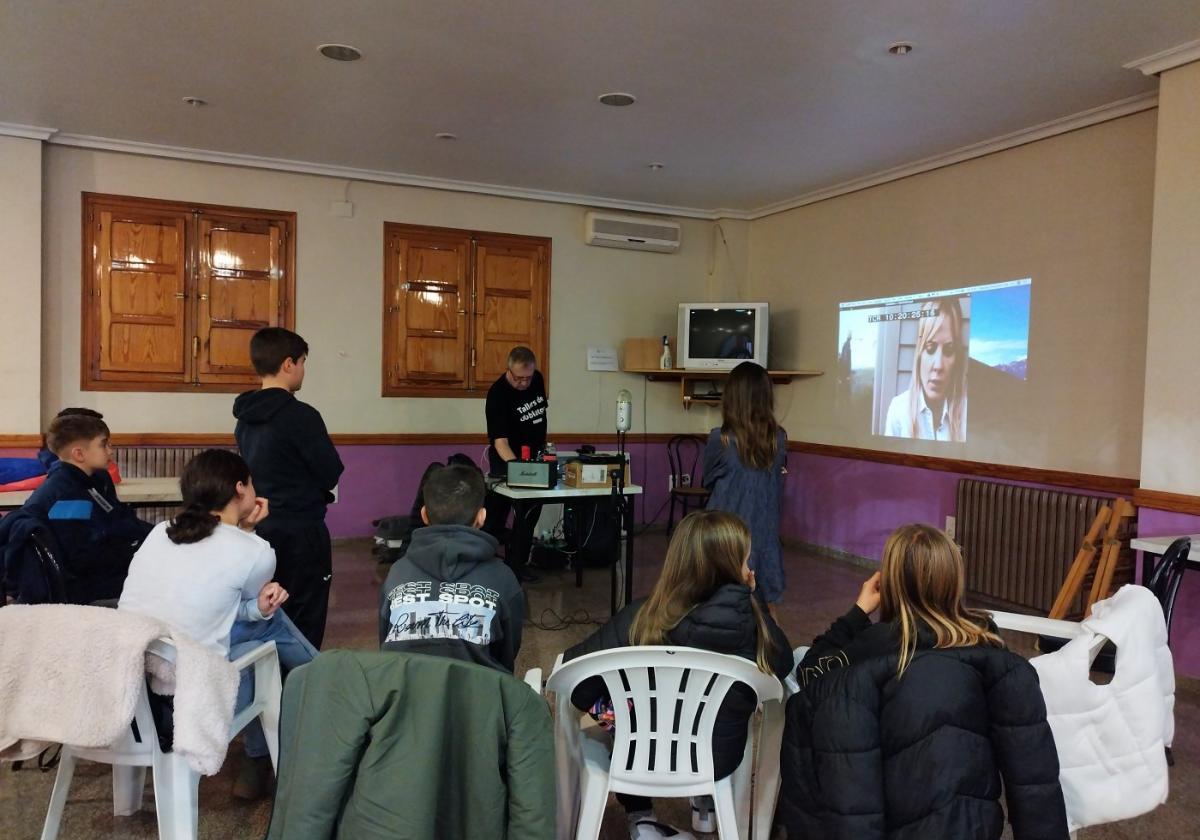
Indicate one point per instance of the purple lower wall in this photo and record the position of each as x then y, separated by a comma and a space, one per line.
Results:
1185, 626
382, 481
842, 503
853, 505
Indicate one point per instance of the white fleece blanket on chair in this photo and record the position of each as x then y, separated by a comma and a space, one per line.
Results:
73, 675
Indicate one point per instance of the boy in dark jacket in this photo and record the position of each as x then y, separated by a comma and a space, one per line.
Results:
93, 530
450, 595
296, 467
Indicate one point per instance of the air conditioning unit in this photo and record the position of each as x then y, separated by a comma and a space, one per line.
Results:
637, 233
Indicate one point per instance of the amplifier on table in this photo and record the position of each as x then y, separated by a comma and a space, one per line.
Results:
536, 475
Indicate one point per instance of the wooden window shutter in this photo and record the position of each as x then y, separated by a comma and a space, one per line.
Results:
240, 290
455, 302
426, 295
173, 292
136, 295
511, 304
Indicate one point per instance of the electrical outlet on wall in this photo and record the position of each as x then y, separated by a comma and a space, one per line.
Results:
950, 527
685, 480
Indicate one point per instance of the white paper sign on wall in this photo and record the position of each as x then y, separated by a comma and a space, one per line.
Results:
602, 358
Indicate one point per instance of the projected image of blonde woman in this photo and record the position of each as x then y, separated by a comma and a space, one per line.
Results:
934, 407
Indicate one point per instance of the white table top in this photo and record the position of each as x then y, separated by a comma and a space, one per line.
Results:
562, 491
137, 491
1157, 545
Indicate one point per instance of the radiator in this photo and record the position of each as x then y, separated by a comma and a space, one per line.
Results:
1018, 543
155, 462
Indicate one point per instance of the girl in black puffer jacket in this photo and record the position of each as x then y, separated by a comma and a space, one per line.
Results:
903, 730
705, 598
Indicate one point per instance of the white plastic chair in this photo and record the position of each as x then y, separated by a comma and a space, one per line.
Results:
176, 785
651, 756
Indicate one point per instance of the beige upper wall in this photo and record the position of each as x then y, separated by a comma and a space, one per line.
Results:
1073, 212
1170, 442
598, 296
20, 283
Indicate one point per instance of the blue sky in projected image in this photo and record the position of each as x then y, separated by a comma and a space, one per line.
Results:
1000, 326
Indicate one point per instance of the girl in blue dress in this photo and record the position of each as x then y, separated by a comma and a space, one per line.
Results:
744, 468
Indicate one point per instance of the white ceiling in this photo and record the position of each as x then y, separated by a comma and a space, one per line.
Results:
747, 103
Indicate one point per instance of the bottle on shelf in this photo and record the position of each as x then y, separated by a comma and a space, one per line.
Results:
665, 362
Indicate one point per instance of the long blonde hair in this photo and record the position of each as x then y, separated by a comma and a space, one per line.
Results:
922, 583
933, 313
748, 415
706, 552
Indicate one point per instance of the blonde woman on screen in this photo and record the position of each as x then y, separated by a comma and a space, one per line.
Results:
935, 405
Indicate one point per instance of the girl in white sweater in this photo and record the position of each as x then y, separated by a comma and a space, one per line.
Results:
208, 575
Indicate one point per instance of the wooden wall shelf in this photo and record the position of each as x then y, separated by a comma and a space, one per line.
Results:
688, 379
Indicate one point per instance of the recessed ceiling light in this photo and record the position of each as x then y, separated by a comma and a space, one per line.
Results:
195, 101
900, 48
655, 166
340, 52
618, 100
446, 135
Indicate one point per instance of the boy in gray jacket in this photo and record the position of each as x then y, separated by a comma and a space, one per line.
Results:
450, 595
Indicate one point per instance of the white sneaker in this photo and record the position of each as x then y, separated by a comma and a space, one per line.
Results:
653, 830
704, 817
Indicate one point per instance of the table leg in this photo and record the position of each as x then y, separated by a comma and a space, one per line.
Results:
518, 509
628, 550
577, 562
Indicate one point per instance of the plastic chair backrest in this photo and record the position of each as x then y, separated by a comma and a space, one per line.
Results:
1167, 575
665, 702
683, 455
45, 549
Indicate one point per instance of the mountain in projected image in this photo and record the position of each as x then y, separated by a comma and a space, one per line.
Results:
1016, 368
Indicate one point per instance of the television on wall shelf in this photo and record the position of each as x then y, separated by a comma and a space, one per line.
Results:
720, 336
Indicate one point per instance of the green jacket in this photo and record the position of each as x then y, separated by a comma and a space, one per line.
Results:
394, 745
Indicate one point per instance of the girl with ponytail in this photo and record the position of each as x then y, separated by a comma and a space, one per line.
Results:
207, 574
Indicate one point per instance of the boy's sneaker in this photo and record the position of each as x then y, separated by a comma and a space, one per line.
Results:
654, 830
704, 816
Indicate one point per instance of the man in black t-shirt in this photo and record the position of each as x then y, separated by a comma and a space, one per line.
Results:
516, 416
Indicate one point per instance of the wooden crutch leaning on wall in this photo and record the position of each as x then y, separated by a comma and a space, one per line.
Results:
1109, 550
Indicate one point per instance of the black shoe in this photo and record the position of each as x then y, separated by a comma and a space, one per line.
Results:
526, 576
253, 779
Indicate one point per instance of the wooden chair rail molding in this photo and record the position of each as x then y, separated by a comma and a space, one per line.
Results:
1172, 502
1058, 478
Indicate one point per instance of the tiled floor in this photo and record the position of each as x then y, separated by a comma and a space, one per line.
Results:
818, 590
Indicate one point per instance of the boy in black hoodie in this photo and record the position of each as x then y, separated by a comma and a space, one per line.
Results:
450, 595
296, 467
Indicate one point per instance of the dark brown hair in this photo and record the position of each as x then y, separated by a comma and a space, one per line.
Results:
453, 494
66, 430
86, 412
272, 346
748, 416
208, 482
705, 553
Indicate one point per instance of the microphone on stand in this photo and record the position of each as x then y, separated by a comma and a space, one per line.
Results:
624, 424
624, 411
